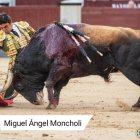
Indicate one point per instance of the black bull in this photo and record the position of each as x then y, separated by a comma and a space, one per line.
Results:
52, 57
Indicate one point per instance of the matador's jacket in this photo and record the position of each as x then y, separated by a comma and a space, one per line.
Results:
11, 43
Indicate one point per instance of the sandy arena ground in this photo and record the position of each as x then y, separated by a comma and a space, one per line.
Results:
109, 103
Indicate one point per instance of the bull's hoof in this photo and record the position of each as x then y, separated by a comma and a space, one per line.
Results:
51, 106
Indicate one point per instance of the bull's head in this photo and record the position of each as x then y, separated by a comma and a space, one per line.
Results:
29, 72
28, 84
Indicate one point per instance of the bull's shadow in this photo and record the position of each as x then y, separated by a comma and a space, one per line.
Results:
52, 57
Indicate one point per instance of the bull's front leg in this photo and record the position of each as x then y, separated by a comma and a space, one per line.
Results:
50, 82
58, 87
57, 72
50, 95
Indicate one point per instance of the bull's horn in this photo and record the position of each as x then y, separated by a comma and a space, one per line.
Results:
12, 96
8, 82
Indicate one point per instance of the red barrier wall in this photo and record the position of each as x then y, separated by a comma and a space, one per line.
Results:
112, 17
37, 2
37, 16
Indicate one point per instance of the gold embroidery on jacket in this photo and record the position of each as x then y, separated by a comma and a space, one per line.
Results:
12, 42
